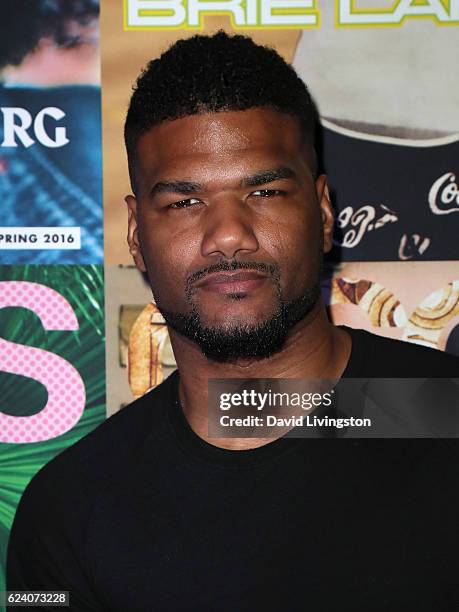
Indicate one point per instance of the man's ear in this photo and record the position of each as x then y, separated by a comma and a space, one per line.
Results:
323, 195
133, 233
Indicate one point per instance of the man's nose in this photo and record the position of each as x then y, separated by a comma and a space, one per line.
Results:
228, 230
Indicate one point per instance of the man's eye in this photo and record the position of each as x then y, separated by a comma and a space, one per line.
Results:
184, 203
266, 193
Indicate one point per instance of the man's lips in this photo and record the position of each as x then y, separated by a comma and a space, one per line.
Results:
232, 282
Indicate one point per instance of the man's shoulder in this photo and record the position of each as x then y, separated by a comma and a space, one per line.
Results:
385, 357
57, 507
110, 447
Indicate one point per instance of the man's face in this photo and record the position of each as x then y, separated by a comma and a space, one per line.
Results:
230, 226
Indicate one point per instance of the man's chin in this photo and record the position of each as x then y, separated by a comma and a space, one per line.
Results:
243, 339
242, 342
231, 340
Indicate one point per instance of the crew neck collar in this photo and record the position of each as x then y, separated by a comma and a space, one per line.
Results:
199, 449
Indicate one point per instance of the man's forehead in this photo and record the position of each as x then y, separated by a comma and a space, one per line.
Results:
230, 128
218, 138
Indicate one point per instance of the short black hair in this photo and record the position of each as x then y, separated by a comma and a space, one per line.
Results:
26, 22
215, 73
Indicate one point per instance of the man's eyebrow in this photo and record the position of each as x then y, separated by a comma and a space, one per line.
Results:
268, 176
261, 177
182, 187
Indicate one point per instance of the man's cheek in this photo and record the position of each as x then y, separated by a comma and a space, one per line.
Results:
164, 280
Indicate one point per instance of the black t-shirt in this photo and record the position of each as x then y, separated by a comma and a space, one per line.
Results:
142, 514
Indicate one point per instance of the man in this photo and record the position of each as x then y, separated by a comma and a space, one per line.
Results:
230, 221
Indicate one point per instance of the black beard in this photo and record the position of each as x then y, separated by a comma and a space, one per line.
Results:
244, 341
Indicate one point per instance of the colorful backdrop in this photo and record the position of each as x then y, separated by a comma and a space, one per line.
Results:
382, 74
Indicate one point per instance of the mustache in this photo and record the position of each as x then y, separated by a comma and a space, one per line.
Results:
230, 266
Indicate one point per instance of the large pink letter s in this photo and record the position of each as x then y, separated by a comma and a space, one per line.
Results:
66, 392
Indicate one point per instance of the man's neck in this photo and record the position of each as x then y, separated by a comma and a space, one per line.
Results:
314, 349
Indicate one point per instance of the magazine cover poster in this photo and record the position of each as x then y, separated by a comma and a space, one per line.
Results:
52, 371
50, 133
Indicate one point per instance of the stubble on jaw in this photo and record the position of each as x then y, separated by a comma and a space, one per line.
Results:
232, 343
